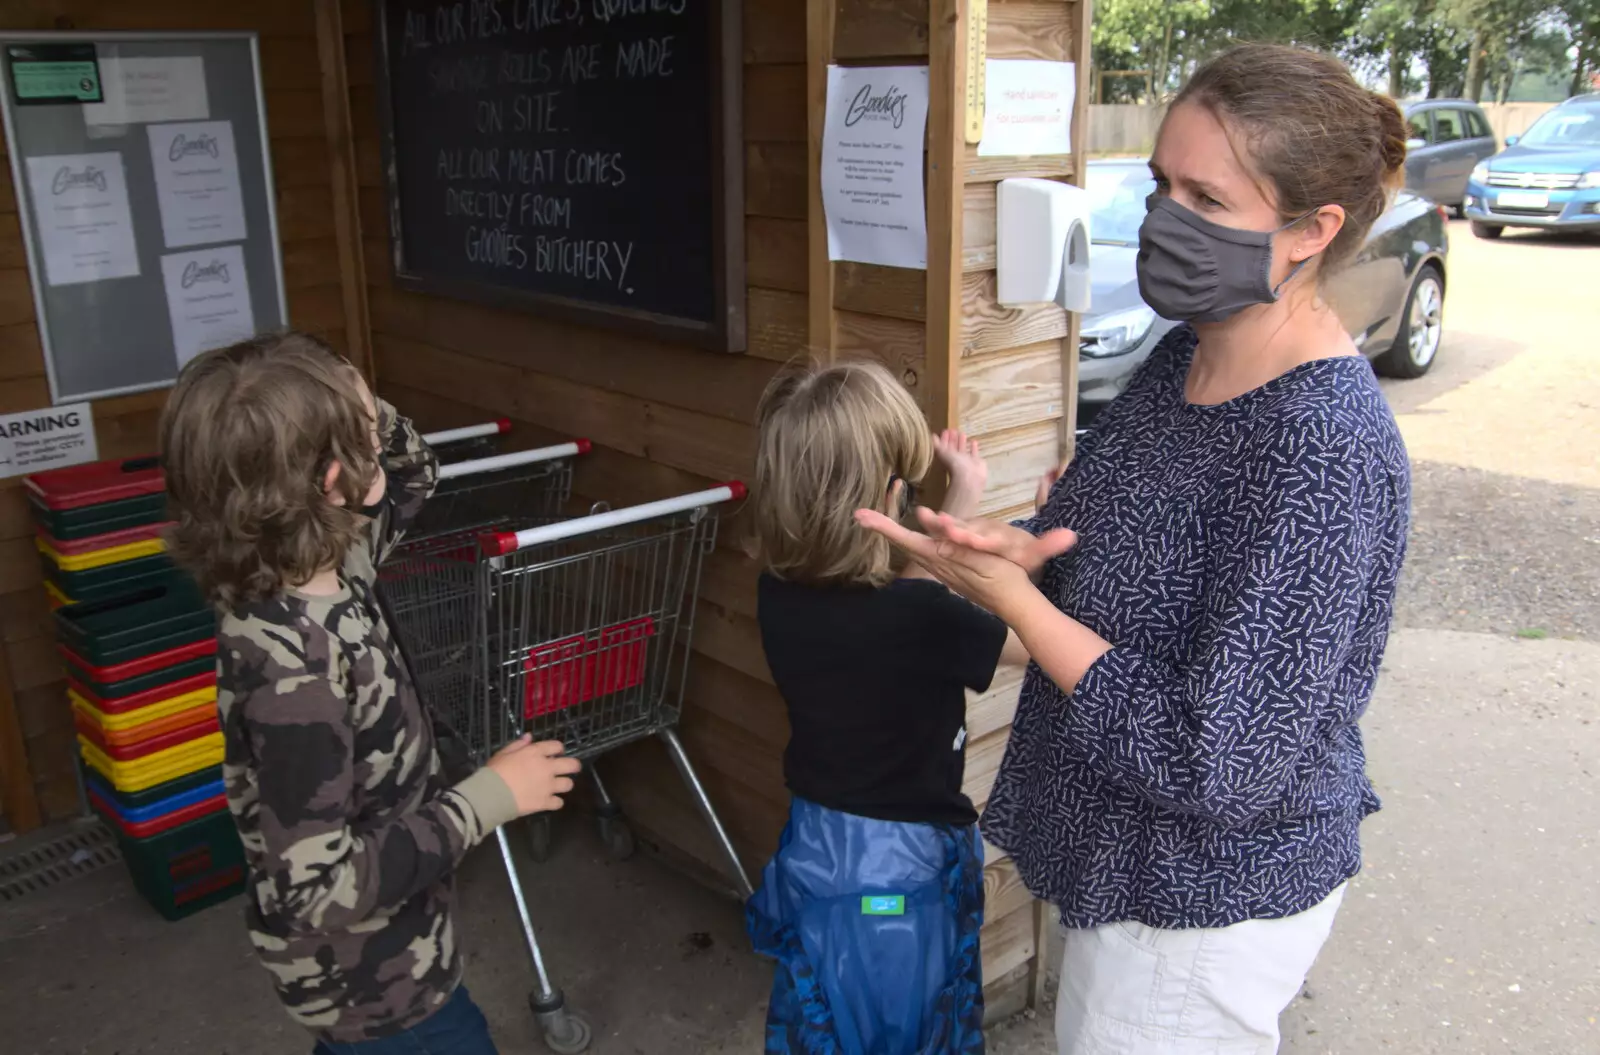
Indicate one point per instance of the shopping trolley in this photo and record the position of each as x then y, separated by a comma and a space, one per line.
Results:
514, 619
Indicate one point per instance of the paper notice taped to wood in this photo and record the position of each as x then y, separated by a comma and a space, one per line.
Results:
1028, 108
873, 133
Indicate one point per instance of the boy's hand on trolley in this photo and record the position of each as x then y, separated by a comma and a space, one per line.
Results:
538, 774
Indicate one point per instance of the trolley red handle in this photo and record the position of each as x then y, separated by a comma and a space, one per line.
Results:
467, 432
495, 462
500, 543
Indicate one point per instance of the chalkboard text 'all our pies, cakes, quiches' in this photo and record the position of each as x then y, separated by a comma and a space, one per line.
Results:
558, 147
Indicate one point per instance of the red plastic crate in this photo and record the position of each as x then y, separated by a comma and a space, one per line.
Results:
108, 481
577, 669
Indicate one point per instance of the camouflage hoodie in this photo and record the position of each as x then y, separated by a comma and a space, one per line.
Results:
349, 828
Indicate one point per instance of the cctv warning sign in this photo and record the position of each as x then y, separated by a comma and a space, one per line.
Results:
36, 440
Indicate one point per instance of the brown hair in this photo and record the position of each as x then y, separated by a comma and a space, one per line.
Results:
831, 438
1310, 131
247, 437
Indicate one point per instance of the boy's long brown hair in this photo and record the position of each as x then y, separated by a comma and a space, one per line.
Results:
247, 437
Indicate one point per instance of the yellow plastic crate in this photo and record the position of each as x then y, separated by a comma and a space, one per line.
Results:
101, 557
150, 713
56, 598
147, 772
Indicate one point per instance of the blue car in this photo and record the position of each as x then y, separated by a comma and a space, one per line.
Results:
1549, 178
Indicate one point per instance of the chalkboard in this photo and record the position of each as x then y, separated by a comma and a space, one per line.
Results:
147, 209
574, 158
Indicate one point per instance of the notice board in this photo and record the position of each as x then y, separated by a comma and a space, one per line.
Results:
575, 158
144, 190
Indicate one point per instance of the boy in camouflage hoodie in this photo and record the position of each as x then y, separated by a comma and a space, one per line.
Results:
290, 484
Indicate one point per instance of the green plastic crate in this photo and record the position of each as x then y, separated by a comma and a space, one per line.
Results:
154, 619
111, 590
110, 580
71, 524
193, 866
108, 689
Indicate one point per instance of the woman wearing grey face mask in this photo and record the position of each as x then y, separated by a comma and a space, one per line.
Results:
1207, 590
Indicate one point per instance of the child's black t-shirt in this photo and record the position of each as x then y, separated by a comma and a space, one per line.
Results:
875, 682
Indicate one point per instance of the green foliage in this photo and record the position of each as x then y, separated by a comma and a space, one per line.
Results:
1436, 47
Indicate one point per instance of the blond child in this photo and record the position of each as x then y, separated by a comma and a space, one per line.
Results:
290, 483
873, 902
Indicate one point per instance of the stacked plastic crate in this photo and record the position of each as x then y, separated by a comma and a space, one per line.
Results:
140, 647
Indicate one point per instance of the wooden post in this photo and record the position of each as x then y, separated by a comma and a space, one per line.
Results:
345, 184
821, 333
16, 775
947, 76
1082, 21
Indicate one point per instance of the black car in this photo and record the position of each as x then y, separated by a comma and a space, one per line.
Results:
1391, 295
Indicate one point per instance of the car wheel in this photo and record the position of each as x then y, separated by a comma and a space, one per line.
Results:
1486, 230
1421, 331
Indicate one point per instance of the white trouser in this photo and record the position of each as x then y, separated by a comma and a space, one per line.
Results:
1128, 989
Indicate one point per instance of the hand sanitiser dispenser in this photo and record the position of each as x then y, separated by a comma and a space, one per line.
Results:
1042, 243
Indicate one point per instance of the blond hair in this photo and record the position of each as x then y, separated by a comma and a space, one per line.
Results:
831, 440
247, 437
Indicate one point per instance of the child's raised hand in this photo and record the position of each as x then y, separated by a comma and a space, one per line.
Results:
959, 455
538, 774
1046, 483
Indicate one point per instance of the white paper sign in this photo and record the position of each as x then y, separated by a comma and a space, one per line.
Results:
141, 90
872, 165
1027, 107
80, 203
208, 299
53, 438
197, 183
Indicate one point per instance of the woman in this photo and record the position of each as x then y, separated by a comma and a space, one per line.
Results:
1215, 579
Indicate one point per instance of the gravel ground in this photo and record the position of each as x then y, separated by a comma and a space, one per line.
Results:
1501, 555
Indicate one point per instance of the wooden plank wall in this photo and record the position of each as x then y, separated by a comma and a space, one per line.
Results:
1004, 375
1016, 391
33, 705
665, 419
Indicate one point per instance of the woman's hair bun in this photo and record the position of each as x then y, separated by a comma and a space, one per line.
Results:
1391, 133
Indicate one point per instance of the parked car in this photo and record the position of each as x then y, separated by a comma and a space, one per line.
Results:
1550, 177
1448, 137
1391, 296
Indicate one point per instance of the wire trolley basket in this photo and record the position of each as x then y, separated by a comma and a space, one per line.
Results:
514, 619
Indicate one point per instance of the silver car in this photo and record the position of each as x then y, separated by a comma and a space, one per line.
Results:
1391, 296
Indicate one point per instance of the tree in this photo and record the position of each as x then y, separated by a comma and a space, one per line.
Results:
1141, 34
1581, 20
1172, 38
1394, 32
1500, 31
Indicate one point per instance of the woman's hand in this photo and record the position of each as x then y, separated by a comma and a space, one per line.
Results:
985, 578
1028, 552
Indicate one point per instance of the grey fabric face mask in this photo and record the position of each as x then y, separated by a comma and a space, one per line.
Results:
1193, 270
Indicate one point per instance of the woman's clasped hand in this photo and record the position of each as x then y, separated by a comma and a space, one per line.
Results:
992, 564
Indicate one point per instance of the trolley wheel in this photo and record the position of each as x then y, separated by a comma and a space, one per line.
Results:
617, 836
565, 1033
539, 837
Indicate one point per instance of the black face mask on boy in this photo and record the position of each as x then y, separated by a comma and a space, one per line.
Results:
373, 510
